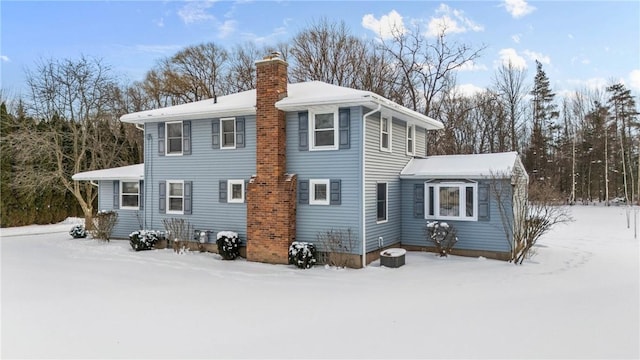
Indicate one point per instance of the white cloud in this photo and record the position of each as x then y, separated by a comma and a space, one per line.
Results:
265, 39
518, 8
516, 38
450, 21
570, 36
469, 89
5, 58
160, 22
511, 55
532, 55
227, 28
589, 84
195, 11
158, 49
634, 80
386, 26
472, 66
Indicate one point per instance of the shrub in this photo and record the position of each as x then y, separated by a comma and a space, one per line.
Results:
228, 244
442, 235
144, 239
103, 224
338, 245
78, 231
302, 254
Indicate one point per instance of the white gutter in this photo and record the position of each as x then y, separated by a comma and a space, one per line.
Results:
139, 127
93, 183
158, 115
364, 183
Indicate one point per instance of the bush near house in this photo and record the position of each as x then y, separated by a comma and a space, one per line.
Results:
302, 254
442, 235
78, 232
103, 224
144, 239
228, 245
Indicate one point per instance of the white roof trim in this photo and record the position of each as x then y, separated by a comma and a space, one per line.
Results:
300, 96
130, 172
472, 166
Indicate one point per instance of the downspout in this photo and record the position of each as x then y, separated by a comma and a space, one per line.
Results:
144, 177
93, 183
364, 183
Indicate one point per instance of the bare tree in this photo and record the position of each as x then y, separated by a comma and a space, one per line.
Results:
509, 83
74, 101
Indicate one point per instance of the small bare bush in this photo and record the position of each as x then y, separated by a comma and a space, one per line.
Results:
103, 224
178, 231
338, 245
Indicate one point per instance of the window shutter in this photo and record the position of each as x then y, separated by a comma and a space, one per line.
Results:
345, 133
240, 132
161, 139
215, 134
188, 197
162, 197
303, 191
335, 198
186, 137
222, 191
116, 194
303, 132
483, 202
418, 201
141, 195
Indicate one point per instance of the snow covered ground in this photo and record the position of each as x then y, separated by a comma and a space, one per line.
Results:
66, 298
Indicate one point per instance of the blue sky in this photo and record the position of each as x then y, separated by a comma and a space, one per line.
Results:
581, 44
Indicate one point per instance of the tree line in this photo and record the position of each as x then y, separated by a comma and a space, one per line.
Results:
583, 146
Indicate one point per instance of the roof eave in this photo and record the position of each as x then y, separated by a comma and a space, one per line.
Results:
137, 118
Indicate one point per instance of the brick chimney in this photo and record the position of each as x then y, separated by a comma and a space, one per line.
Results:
271, 194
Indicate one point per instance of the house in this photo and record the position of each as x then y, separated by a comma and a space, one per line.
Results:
289, 162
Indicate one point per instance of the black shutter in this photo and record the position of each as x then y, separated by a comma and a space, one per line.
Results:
116, 194
186, 137
215, 134
345, 133
303, 131
161, 139
334, 193
162, 197
303, 191
240, 132
222, 191
418, 201
483, 202
188, 197
141, 195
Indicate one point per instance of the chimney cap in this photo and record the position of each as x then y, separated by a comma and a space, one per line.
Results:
273, 55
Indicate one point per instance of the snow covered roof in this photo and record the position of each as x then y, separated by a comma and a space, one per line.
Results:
300, 96
500, 165
131, 172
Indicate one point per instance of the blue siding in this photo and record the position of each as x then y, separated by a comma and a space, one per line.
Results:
205, 167
472, 235
343, 164
128, 220
382, 166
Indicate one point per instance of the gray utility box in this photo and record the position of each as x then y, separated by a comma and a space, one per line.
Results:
393, 257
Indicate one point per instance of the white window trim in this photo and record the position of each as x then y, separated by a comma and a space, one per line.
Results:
436, 201
411, 151
389, 132
230, 198
123, 193
166, 139
222, 133
312, 192
169, 211
386, 203
312, 129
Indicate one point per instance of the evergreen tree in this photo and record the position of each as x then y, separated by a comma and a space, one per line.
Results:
540, 155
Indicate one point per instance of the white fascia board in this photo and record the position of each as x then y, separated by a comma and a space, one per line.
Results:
158, 115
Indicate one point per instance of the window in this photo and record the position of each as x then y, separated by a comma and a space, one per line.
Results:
381, 202
175, 198
235, 191
385, 133
453, 201
324, 130
319, 192
174, 138
411, 145
228, 133
129, 194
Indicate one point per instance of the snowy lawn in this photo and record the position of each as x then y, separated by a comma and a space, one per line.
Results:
66, 298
